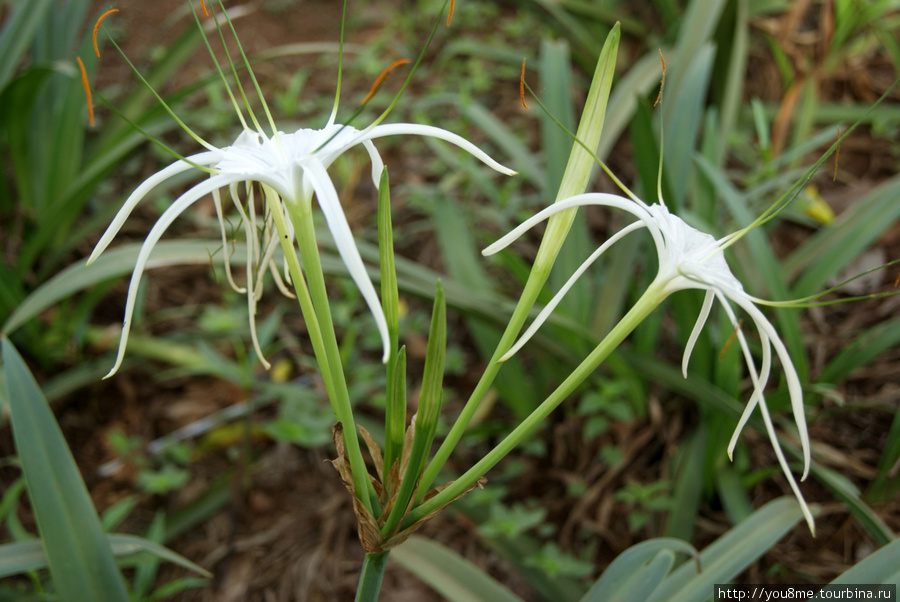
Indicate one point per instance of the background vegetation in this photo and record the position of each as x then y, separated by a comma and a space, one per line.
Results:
195, 446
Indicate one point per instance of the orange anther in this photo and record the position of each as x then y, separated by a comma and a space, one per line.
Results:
97, 26
380, 79
730, 339
87, 90
450, 14
662, 84
203, 6
522, 85
897, 281
837, 153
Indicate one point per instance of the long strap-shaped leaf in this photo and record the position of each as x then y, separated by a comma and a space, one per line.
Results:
24, 556
447, 572
78, 553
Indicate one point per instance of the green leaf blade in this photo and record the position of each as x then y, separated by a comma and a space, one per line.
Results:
78, 554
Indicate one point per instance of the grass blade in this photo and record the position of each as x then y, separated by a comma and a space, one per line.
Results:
633, 568
831, 249
24, 556
78, 554
878, 567
17, 34
726, 557
448, 573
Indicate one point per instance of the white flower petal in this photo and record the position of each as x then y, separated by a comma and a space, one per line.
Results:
695, 333
377, 163
415, 129
795, 389
758, 380
773, 437
545, 313
165, 220
346, 246
206, 158
595, 198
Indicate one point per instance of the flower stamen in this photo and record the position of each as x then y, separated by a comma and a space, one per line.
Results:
450, 14
662, 83
380, 79
522, 85
203, 6
97, 27
87, 90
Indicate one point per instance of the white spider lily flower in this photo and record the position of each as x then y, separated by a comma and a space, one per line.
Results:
295, 166
691, 259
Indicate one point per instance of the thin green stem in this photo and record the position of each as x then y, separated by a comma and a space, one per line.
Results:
162, 103
337, 91
298, 280
259, 93
370, 578
302, 218
651, 298
575, 181
215, 61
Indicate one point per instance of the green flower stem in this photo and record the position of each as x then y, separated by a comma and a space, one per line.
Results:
649, 301
371, 576
317, 314
299, 283
575, 181
302, 218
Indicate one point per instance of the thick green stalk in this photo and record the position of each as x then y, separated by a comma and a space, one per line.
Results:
649, 301
575, 181
371, 576
302, 219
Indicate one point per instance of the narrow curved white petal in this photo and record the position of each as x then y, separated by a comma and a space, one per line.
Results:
758, 386
795, 389
165, 220
415, 129
756, 397
205, 158
545, 313
695, 333
758, 380
376, 161
770, 428
346, 246
600, 199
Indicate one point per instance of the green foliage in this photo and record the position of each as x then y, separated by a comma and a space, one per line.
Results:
449, 573
78, 555
510, 521
722, 162
645, 501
